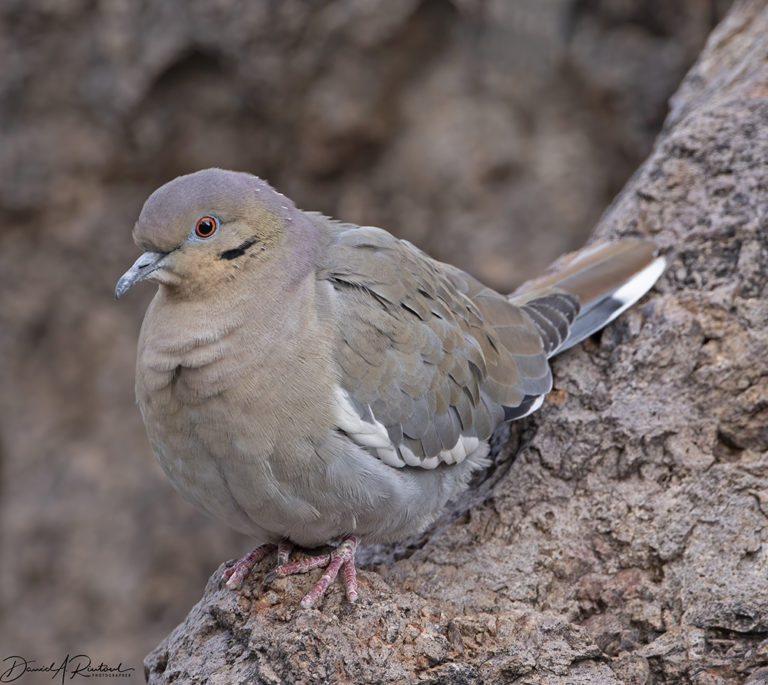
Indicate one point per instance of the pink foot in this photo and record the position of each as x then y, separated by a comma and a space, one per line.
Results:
342, 557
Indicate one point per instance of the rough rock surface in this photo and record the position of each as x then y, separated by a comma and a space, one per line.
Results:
628, 541
490, 132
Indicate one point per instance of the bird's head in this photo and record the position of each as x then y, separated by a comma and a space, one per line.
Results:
200, 230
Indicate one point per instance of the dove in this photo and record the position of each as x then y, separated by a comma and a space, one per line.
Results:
311, 382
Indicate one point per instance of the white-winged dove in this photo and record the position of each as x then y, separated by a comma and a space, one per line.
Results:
308, 381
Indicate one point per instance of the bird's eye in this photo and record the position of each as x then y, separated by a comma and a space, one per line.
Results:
206, 226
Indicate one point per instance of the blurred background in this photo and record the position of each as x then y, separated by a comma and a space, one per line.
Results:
491, 133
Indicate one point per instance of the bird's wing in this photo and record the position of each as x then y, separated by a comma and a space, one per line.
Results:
430, 360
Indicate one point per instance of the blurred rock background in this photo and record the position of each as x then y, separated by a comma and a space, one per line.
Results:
491, 133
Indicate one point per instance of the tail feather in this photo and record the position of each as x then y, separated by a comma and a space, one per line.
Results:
605, 279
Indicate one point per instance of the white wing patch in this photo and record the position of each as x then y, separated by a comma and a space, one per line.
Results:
374, 436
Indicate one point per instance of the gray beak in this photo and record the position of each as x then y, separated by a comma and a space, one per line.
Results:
141, 268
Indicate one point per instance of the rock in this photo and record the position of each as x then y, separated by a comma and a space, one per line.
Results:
627, 542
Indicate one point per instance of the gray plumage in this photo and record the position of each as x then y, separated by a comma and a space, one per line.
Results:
305, 379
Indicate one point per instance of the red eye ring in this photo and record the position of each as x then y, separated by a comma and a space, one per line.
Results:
206, 226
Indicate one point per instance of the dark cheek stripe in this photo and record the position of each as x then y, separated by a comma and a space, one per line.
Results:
238, 251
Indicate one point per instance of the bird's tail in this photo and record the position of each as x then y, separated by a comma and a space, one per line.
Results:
605, 279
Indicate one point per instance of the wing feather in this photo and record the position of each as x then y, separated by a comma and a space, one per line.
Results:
428, 356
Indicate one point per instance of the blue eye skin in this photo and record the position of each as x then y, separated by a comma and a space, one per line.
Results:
206, 226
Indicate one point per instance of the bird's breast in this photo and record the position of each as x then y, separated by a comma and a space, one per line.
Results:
236, 382
234, 406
